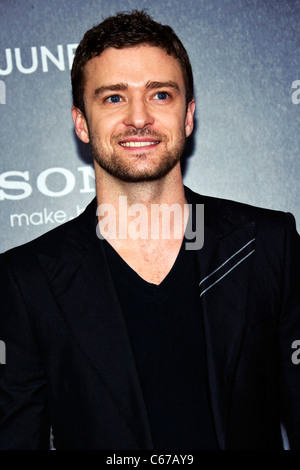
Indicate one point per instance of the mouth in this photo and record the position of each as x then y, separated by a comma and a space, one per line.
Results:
138, 144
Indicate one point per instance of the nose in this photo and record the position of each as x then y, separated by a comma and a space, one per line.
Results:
138, 114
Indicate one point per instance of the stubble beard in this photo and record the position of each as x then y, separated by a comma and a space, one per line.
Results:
130, 170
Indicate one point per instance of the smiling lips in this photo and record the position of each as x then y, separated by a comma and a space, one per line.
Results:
138, 143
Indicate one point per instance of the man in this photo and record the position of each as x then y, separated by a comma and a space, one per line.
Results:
119, 341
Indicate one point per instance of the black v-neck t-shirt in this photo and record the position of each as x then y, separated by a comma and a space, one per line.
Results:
166, 332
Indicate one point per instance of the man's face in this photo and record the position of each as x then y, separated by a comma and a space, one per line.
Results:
136, 115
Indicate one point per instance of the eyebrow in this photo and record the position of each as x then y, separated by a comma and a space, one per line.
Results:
168, 84
124, 86
116, 87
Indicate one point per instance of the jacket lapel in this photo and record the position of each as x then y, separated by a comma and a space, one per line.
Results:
224, 265
84, 291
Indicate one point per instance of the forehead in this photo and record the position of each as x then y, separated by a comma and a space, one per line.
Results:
132, 65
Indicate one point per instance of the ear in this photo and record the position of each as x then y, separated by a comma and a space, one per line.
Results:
81, 127
189, 118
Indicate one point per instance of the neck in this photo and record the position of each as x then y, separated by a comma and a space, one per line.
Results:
167, 190
148, 221
135, 205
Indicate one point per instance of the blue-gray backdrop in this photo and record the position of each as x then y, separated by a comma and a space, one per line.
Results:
246, 61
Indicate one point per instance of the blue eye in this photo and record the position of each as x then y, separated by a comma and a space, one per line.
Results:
161, 95
114, 99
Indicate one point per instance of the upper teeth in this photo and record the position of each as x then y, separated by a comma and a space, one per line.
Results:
137, 144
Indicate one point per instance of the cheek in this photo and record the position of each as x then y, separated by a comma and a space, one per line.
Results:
107, 129
100, 132
179, 120
178, 127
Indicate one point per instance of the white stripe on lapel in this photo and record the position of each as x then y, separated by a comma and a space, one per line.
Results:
226, 272
223, 264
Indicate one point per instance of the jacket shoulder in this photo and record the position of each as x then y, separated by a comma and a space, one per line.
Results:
240, 212
52, 243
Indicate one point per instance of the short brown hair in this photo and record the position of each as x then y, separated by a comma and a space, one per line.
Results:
127, 30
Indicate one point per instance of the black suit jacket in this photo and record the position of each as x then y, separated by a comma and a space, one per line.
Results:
69, 363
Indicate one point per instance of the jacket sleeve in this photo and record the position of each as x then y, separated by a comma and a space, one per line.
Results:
289, 332
24, 421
